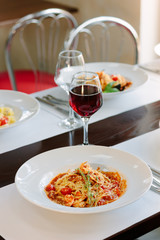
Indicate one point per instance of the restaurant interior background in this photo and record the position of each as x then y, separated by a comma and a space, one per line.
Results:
143, 15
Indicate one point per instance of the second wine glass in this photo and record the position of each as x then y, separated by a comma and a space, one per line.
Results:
85, 97
69, 62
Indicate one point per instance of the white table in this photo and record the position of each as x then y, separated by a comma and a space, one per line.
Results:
20, 219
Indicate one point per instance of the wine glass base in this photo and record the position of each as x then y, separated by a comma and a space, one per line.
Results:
70, 123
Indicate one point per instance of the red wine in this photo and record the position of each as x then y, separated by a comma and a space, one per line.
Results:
85, 100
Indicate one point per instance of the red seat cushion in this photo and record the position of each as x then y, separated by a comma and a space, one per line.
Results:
26, 83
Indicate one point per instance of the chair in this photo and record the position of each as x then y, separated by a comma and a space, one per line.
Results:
105, 38
32, 48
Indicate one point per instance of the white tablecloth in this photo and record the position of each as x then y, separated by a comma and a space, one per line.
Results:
45, 124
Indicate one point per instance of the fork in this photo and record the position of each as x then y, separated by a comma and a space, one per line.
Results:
155, 171
156, 180
53, 105
155, 187
55, 100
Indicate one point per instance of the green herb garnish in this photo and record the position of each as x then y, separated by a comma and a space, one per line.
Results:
109, 88
87, 185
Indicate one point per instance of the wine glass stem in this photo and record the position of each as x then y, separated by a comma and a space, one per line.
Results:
85, 131
71, 114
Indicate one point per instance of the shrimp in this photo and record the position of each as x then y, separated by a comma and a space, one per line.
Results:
80, 204
85, 168
104, 79
69, 200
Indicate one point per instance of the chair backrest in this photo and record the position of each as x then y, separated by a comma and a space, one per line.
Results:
105, 38
35, 41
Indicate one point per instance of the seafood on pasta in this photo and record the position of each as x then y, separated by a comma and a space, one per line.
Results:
113, 81
86, 187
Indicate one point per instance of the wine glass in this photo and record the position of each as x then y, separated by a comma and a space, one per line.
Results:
85, 97
69, 62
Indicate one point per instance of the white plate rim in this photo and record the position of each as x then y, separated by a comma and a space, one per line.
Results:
45, 203
19, 96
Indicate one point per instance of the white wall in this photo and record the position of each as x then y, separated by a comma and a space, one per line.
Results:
149, 29
128, 10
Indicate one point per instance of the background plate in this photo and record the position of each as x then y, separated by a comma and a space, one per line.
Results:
23, 105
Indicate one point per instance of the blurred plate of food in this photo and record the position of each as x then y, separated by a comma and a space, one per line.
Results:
15, 108
118, 78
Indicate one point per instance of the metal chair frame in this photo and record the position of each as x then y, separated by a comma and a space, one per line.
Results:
37, 18
105, 22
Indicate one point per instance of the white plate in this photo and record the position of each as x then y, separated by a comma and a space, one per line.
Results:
36, 173
23, 105
133, 73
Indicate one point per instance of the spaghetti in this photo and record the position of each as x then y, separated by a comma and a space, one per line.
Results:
85, 187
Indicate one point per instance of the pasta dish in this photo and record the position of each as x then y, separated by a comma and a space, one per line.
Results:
86, 187
6, 116
113, 83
